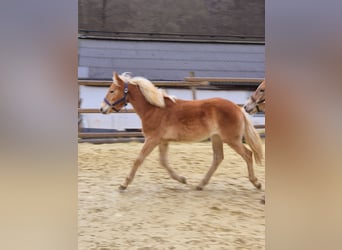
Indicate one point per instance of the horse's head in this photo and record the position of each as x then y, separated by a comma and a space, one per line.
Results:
256, 102
116, 96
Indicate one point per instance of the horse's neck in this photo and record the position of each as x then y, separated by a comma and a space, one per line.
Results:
139, 103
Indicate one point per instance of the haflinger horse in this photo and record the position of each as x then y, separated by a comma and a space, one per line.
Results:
166, 119
256, 102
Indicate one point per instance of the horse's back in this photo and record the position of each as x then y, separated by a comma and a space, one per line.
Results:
204, 107
227, 113
200, 119
203, 103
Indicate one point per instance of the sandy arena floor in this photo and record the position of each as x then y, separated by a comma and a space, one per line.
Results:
156, 212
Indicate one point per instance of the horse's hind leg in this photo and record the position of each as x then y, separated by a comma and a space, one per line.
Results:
217, 159
248, 157
163, 147
149, 145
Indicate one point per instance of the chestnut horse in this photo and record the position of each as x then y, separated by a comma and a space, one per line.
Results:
256, 102
166, 119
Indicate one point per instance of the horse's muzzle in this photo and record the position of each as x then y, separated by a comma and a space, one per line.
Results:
249, 110
104, 109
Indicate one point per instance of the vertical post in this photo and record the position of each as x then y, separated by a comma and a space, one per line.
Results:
193, 89
78, 111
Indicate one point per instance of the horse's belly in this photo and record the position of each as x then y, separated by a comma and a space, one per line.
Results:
186, 134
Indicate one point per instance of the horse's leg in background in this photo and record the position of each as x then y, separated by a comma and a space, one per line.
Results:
163, 148
148, 146
217, 159
247, 155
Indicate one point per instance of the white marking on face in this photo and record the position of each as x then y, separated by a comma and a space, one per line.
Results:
250, 106
104, 108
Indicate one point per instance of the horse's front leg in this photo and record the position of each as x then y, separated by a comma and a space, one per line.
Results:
148, 146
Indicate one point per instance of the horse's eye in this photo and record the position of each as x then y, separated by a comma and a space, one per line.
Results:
112, 91
262, 90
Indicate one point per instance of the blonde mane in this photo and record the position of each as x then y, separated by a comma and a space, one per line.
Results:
153, 95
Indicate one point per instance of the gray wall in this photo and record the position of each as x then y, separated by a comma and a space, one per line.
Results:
169, 60
208, 19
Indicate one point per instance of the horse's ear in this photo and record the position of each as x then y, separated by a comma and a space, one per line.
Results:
116, 77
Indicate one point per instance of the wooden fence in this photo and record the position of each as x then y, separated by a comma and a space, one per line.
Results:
192, 83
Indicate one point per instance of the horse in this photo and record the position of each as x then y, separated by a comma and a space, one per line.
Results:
256, 102
165, 119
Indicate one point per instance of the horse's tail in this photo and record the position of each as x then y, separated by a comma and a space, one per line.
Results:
253, 139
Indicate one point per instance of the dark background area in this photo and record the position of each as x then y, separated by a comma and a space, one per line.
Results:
226, 20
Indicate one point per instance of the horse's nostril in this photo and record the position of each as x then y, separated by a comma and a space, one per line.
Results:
101, 109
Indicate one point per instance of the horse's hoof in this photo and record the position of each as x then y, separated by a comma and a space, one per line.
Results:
122, 187
258, 185
199, 188
263, 201
183, 180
